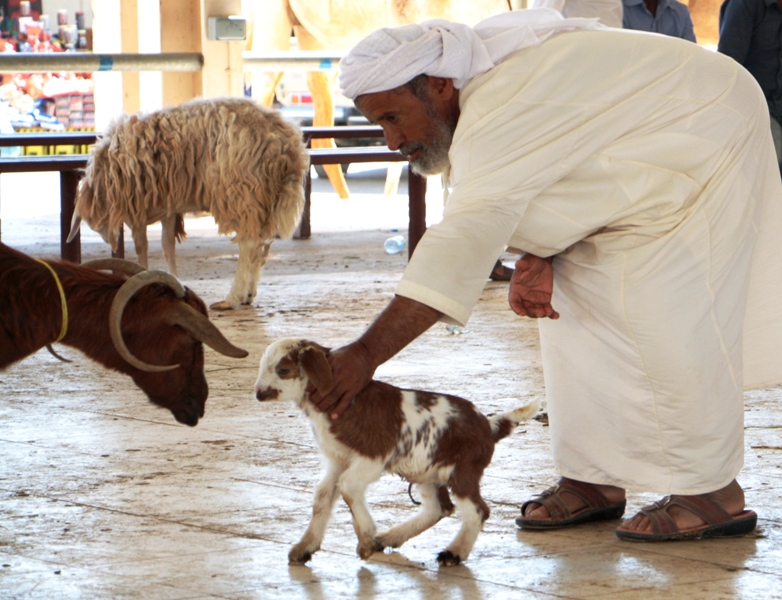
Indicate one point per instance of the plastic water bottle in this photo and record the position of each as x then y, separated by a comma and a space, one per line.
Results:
394, 245
456, 329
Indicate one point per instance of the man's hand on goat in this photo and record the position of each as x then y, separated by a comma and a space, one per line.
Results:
531, 288
352, 370
353, 365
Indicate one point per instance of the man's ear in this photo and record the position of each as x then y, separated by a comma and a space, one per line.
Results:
315, 364
441, 87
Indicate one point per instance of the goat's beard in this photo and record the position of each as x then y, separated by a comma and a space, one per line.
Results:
433, 158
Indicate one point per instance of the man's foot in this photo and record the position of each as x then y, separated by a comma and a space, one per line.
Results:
571, 502
716, 514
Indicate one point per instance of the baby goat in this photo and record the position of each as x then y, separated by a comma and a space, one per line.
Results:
433, 440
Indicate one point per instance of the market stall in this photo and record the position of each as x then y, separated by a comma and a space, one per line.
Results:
32, 102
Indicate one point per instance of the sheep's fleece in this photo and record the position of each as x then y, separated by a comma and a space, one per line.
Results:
231, 157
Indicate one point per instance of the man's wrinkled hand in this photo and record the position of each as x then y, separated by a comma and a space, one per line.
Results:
352, 370
531, 288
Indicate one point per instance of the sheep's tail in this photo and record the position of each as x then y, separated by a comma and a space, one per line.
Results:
502, 425
289, 208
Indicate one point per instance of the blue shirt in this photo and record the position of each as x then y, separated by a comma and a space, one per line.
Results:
671, 18
751, 33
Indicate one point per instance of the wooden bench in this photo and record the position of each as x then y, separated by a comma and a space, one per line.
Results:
416, 186
70, 165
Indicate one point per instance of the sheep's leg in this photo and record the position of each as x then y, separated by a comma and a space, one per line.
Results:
325, 496
431, 511
168, 239
353, 486
252, 257
472, 512
142, 246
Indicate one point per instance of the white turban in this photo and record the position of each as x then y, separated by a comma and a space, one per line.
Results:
391, 57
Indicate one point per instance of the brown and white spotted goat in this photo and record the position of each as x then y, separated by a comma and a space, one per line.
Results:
433, 440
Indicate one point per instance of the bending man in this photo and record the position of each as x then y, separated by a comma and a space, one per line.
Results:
636, 173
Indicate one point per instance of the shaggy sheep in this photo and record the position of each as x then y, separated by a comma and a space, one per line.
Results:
240, 162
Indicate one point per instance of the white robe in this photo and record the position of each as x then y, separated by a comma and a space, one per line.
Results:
645, 163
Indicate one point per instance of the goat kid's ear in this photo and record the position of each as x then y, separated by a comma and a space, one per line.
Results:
315, 364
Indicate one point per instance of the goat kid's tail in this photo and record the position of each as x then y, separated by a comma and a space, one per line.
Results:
502, 425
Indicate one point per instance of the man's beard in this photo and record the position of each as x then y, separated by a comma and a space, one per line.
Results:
433, 158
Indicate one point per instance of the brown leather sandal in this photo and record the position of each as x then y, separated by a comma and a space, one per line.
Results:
718, 523
598, 507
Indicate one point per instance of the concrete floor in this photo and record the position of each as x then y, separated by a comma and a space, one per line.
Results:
103, 495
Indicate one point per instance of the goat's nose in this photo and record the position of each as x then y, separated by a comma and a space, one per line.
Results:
266, 394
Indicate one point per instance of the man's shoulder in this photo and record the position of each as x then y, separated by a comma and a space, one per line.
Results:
738, 11
570, 63
751, 6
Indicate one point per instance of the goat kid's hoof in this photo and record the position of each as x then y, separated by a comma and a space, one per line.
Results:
299, 556
367, 549
446, 558
222, 305
385, 542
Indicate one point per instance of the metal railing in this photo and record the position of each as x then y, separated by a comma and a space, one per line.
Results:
291, 60
89, 62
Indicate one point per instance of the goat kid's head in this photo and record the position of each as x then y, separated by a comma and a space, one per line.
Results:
288, 366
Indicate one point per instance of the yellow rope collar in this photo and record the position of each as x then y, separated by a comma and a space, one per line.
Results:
63, 302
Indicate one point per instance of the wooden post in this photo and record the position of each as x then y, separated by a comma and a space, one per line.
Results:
120, 253
183, 29
705, 18
304, 230
416, 186
131, 94
223, 74
180, 26
107, 39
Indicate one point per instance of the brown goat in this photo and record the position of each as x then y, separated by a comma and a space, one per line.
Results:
436, 441
113, 319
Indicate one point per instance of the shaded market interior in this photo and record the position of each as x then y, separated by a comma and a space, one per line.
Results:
102, 495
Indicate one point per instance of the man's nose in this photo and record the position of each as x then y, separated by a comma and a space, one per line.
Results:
393, 139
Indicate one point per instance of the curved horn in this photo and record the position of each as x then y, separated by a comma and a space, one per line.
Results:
75, 225
124, 294
55, 355
114, 264
202, 329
